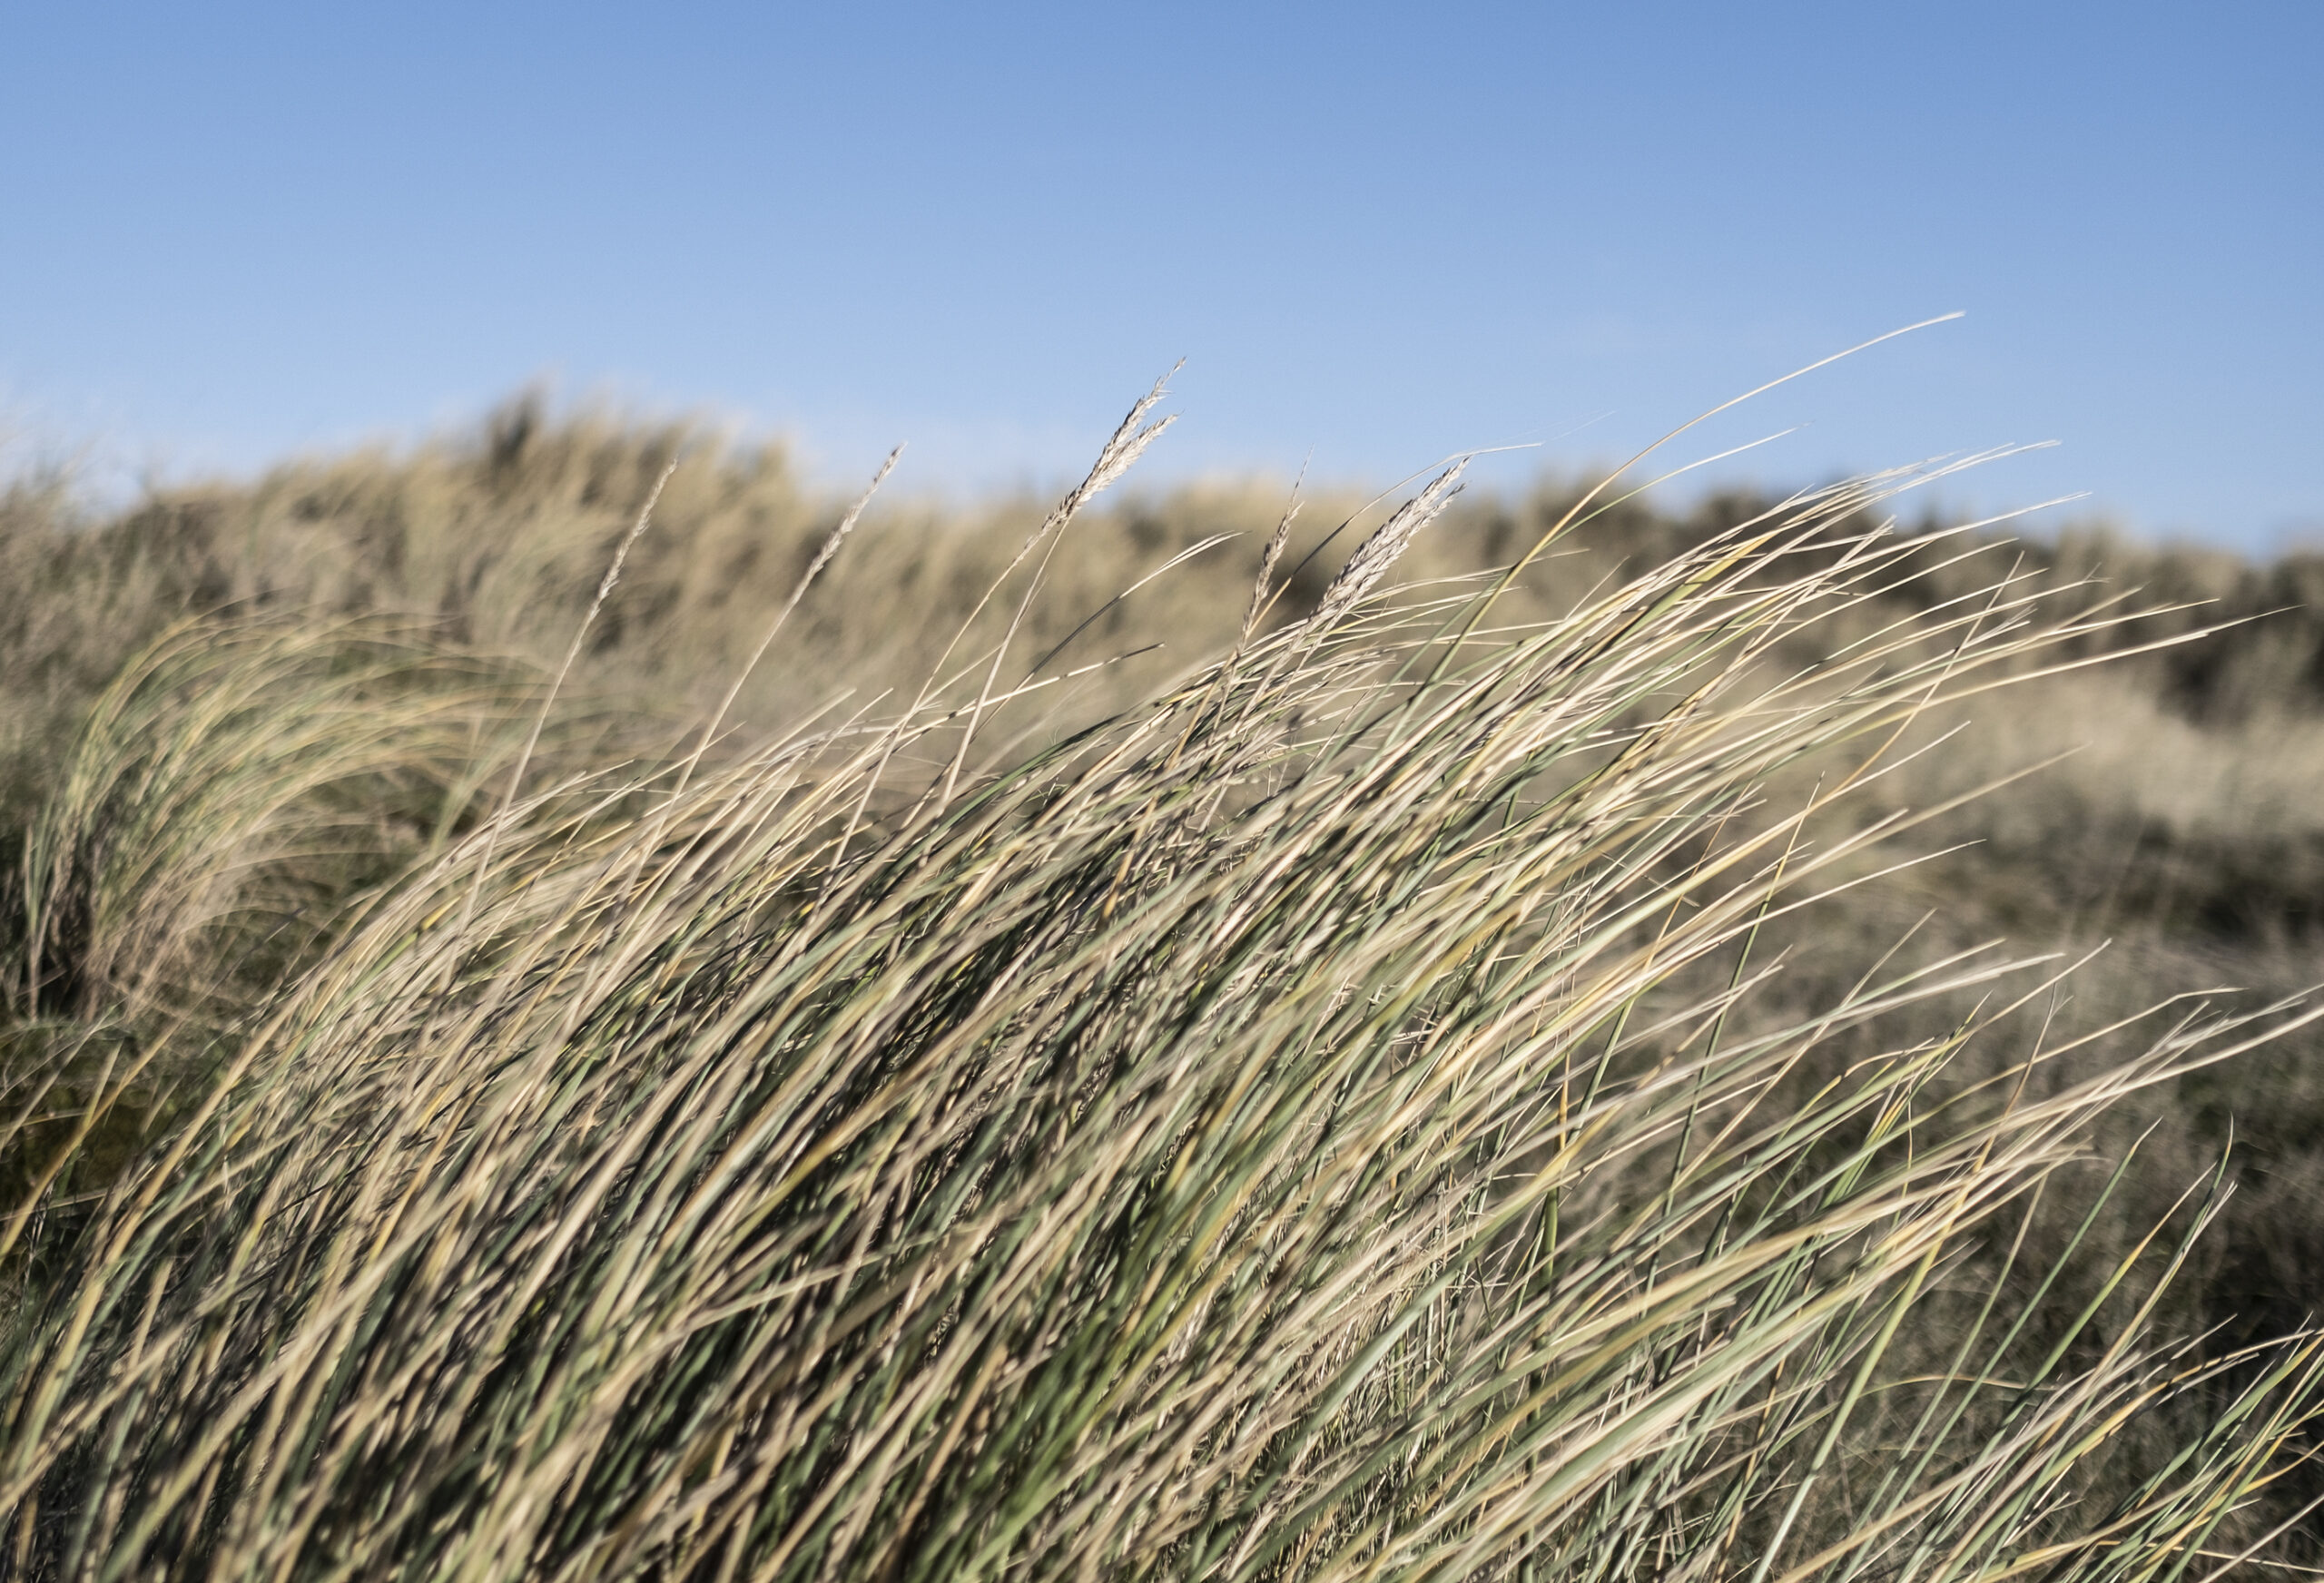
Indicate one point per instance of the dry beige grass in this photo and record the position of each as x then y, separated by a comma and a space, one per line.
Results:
1334, 1119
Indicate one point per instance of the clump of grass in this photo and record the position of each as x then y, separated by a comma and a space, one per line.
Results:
235, 789
1270, 1134
235, 776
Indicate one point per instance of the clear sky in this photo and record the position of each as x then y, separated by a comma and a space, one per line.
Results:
1377, 233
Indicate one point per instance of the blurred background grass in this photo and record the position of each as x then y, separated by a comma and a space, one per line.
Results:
2185, 813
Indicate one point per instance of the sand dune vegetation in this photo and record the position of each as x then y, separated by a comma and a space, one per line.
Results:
1204, 1035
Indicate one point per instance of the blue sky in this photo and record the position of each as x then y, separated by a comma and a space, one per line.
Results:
1376, 233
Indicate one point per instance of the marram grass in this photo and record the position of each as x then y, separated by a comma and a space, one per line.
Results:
1294, 1129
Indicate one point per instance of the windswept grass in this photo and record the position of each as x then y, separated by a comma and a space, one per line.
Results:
1305, 1124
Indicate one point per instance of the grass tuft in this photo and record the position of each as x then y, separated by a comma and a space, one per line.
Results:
1302, 1125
